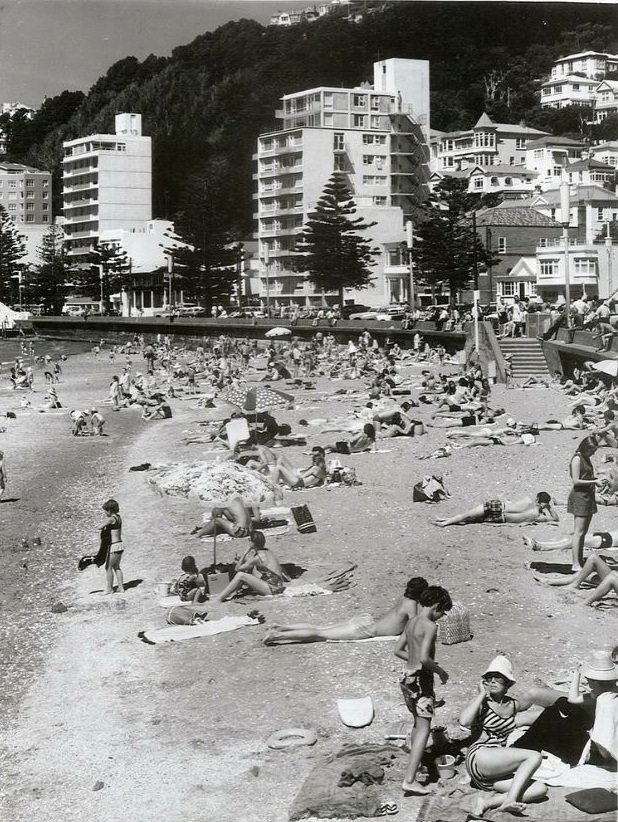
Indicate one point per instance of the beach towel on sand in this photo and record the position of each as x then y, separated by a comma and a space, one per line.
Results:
304, 520
178, 633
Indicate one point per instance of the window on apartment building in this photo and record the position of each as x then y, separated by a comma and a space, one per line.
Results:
507, 289
374, 180
478, 182
339, 162
375, 104
359, 100
520, 143
575, 86
599, 213
545, 92
12, 207
29, 218
557, 89
30, 195
359, 121
29, 206
380, 201
12, 183
338, 141
484, 138
508, 181
368, 139
557, 171
448, 162
548, 268
494, 181
501, 245
394, 256
538, 153
45, 195
29, 183
45, 207
585, 267
375, 122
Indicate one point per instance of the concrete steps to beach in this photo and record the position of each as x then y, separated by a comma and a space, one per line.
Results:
527, 356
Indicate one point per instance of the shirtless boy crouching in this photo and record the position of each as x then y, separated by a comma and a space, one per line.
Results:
417, 646
363, 626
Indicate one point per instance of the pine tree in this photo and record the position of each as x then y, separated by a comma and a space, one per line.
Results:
333, 254
109, 266
447, 251
206, 263
12, 252
51, 276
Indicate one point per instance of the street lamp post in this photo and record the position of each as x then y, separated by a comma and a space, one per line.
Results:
565, 209
410, 244
101, 276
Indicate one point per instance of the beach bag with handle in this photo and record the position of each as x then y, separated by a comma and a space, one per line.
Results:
454, 626
304, 520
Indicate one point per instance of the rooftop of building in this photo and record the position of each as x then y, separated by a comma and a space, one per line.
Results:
570, 78
16, 168
516, 215
485, 122
580, 54
590, 163
612, 84
506, 170
551, 197
552, 140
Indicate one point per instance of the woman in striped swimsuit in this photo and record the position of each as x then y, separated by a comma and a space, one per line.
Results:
492, 766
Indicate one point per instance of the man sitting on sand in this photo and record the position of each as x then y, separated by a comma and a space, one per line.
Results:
234, 520
363, 626
499, 511
594, 566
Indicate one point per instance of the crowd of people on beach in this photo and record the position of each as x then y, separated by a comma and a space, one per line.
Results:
402, 394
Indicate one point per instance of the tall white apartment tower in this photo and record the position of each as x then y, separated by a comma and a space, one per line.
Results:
377, 137
107, 183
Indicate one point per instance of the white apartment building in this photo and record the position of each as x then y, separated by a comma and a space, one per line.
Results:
574, 79
486, 144
549, 155
376, 137
107, 183
25, 194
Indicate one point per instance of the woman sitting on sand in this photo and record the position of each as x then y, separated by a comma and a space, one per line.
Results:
594, 566
399, 425
284, 473
494, 768
258, 569
364, 440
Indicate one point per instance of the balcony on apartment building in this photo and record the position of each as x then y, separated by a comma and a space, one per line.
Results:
277, 169
278, 211
272, 190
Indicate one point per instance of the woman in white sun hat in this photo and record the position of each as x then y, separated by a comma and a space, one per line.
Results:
492, 716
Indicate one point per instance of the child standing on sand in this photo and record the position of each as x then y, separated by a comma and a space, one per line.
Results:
417, 646
111, 531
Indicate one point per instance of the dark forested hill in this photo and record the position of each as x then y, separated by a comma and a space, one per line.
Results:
205, 105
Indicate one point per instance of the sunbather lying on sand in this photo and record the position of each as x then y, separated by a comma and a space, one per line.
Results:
576, 421
234, 519
497, 511
508, 437
599, 539
594, 565
363, 626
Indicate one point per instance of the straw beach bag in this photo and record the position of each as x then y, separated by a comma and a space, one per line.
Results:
454, 626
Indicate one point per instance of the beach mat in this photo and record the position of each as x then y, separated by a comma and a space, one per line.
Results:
304, 520
552, 567
179, 633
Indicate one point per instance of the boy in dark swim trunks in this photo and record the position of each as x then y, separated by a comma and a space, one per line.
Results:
234, 519
417, 645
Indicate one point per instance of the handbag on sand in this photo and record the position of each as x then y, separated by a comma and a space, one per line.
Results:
304, 520
454, 626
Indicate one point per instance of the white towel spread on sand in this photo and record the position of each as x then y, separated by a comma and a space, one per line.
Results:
178, 633
306, 589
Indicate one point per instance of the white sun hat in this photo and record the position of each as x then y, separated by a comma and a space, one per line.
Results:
500, 665
601, 667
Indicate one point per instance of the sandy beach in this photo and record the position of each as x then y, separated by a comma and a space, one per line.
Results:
97, 724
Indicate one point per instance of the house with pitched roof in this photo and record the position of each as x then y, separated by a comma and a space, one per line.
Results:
605, 100
486, 144
591, 171
512, 233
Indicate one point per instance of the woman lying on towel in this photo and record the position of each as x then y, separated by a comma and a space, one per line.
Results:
504, 773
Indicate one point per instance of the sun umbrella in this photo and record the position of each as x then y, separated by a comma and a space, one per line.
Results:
279, 331
256, 399
609, 367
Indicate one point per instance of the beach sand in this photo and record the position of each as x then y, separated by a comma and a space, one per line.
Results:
178, 730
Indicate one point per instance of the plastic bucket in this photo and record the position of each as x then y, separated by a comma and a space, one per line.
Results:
446, 766
162, 589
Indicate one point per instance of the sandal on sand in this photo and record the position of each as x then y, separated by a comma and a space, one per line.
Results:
388, 809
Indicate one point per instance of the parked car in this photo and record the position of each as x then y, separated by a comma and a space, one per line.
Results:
388, 313
356, 308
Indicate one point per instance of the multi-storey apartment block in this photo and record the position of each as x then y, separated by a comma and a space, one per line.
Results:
376, 137
107, 180
25, 194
